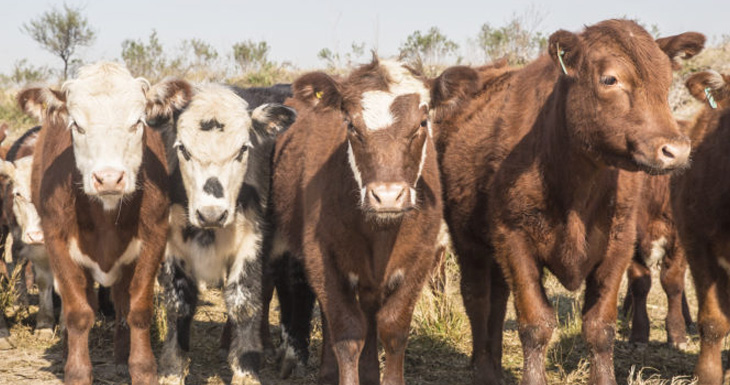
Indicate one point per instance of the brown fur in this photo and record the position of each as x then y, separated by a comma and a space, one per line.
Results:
316, 203
67, 212
533, 173
701, 207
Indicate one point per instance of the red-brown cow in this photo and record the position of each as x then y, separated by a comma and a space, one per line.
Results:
100, 186
356, 194
657, 244
701, 206
537, 166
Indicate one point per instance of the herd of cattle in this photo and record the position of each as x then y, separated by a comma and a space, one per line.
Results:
335, 190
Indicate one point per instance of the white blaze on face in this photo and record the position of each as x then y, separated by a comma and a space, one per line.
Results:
23, 209
214, 129
106, 106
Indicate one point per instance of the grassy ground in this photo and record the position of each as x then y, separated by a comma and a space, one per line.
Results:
438, 351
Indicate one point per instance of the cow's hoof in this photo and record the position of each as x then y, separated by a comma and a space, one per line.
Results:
245, 379
44, 333
6, 343
172, 380
639, 346
291, 368
681, 346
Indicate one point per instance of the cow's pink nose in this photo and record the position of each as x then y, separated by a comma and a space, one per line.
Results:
35, 236
388, 197
674, 154
109, 181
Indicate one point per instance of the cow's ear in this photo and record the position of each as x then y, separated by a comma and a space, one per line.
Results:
709, 87
451, 90
165, 99
318, 89
270, 119
687, 44
566, 50
41, 102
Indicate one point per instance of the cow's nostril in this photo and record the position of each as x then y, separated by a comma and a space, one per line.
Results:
666, 151
375, 196
121, 177
98, 179
223, 217
200, 216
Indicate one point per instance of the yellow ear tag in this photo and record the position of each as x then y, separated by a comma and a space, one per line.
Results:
44, 106
318, 94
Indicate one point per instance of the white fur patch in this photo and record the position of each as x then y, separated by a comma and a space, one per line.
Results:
376, 109
724, 264
354, 279
23, 209
658, 250
355, 170
234, 246
110, 277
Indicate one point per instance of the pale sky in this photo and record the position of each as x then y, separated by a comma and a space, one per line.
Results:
297, 29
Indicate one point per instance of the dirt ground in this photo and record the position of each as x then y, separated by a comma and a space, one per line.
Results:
438, 351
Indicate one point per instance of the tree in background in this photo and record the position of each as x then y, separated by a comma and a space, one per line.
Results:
334, 59
61, 32
519, 41
425, 51
145, 59
24, 73
251, 55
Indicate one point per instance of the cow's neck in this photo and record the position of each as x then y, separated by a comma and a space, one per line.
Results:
570, 175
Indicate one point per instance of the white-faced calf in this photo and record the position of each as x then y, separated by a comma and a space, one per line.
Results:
99, 182
219, 154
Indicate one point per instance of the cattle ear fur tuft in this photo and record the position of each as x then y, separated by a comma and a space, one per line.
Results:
716, 84
451, 89
688, 44
567, 46
318, 89
39, 102
7, 171
270, 119
166, 98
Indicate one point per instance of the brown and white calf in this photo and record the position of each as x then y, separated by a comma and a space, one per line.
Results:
657, 244
356, 194
701, 206
219, 156
25, 227
539, 171
99, 182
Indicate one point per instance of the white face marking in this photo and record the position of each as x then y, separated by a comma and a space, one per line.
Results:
23, 209
214, 153
376, 109
353, 166
106, 106
110, 277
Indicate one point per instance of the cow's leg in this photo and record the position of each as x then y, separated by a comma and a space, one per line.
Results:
267, 294
45, 318
181, 299
369, 366
639, 277
243, 301
142, 364
599, 317
297, 321
5, 342
535, 315
498, 308
674, 267
120, 296
346, 329
475, 269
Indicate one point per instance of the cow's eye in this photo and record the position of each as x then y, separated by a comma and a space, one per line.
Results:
242, 151
424, 123
608, 80
183, 151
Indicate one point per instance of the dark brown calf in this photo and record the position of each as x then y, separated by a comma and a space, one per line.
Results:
356, 194
701, 206
99, 182
535, 166
657, 244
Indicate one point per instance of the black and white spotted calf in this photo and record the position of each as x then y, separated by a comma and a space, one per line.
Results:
218, 155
